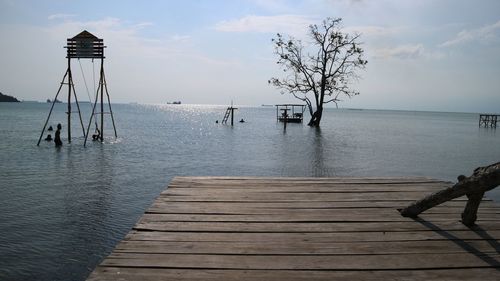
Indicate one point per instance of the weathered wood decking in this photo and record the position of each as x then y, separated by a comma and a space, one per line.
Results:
207, 228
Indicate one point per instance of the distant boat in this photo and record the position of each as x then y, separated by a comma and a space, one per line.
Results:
175, 102
56, 101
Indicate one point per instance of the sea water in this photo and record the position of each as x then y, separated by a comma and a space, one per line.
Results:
63, 210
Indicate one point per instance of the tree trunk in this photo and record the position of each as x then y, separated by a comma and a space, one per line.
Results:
316, 117
483, 179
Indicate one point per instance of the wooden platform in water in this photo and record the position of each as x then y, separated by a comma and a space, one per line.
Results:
245, 228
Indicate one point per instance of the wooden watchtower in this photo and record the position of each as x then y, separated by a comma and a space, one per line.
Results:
84, 46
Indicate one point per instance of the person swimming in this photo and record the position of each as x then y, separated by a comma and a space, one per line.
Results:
49, 137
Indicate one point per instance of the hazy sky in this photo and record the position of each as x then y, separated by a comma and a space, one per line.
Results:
422, 55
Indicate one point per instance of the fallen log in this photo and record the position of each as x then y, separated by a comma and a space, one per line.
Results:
482, 179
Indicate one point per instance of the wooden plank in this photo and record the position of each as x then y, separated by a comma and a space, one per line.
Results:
341, 215
165, 208
312, 187
317, 237
328, 191
291, 197
294, 227
304, 262
299, 180
160, 204
150, 274
305, 247
321, 187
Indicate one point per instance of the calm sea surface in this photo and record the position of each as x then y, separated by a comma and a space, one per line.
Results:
63, 210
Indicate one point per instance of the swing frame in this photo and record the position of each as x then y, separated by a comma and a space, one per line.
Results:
84, 46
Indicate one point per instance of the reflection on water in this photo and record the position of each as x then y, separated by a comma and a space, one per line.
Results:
319, 169
63, 210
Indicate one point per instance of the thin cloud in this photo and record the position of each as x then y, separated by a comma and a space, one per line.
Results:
143, 24
180, 38
483, 34
277, 6
401, 52
291, 24
372, 30
61, 16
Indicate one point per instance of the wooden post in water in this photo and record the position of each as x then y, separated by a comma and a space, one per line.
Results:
69, 99
109, 103
285, 116
232, 115
102, 98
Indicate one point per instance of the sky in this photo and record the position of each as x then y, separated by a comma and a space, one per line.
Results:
436, 55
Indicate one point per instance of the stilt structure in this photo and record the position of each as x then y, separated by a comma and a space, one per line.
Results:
84, 46
229, 113
290, 113
488, 120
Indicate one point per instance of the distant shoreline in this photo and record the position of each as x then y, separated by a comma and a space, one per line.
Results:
266, 105
7, 98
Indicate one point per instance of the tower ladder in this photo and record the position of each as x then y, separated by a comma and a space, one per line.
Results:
226, 115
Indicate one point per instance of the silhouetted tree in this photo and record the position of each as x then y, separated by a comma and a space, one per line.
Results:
326, 68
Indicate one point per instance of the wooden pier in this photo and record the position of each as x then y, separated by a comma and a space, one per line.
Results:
249, 228
488, 120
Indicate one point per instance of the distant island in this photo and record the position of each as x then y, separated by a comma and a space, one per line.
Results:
6, 98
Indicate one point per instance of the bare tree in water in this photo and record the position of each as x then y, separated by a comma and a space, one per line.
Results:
326, 68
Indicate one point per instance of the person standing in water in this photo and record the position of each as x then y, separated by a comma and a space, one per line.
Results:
57, 138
